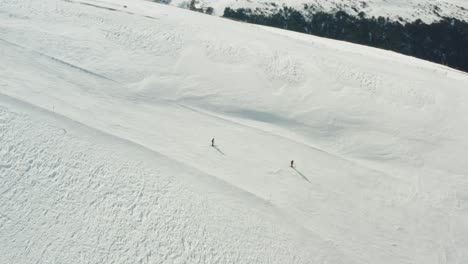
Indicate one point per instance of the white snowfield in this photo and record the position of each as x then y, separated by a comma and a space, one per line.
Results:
106, 119
404, 10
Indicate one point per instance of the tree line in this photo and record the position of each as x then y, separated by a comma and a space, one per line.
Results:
444, 41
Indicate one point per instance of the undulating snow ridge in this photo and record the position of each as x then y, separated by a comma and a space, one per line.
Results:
106, 117
405, 10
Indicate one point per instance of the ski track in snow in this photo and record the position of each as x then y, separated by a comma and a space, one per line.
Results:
106, 205
106, 117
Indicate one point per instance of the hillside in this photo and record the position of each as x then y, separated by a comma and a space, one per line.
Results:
436, 31
108, 108
428, 11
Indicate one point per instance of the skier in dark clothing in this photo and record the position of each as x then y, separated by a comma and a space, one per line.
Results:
292, 163
212, 142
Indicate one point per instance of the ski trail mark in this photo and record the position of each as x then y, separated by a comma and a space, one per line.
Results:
57, 60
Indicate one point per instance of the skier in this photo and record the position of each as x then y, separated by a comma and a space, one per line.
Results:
212, 142
292, 163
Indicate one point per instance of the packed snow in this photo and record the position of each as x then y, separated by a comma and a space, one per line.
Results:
108, 108
403, 10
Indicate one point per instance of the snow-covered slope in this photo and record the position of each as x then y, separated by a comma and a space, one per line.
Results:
71, 194
106, 117
405, 10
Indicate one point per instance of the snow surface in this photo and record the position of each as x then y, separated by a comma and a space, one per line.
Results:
106, 120
405, 10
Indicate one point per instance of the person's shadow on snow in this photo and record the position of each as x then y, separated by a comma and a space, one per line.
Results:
220, 151
302, 175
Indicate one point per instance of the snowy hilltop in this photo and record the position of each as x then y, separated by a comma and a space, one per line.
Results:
135, 132
403, 10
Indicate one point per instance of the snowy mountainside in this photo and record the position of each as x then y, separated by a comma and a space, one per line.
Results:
99, 199
107, 110
426, 10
